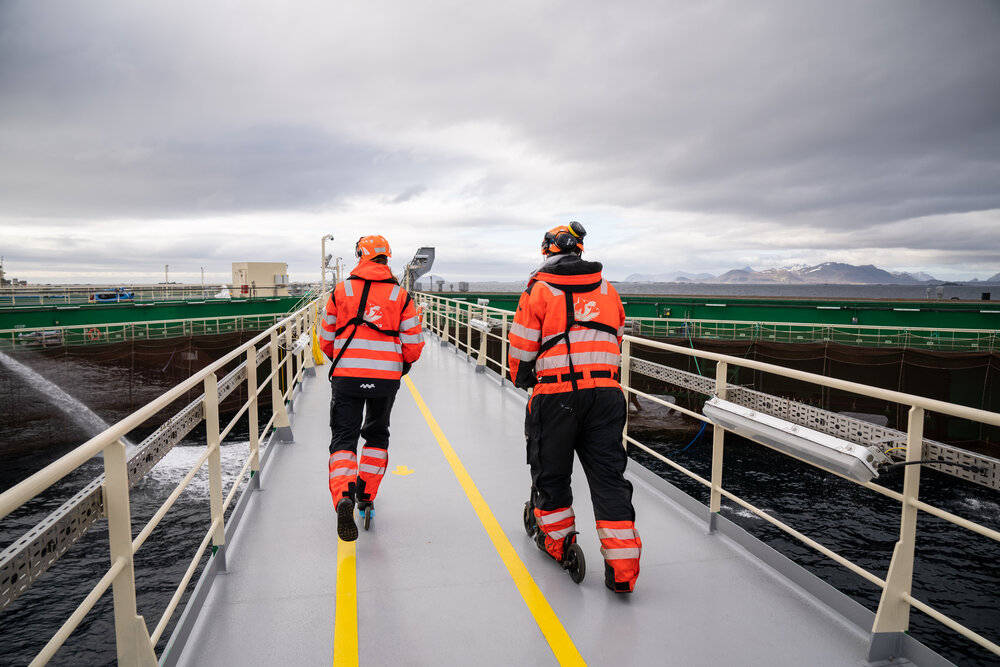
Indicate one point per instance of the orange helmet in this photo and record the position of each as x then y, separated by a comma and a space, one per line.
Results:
370, 247
564, 238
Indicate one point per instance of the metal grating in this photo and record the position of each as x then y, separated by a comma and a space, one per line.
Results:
848, 428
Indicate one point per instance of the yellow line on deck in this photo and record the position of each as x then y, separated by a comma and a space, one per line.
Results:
345, 632
559, 640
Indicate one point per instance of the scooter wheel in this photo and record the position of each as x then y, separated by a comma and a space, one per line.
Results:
530, 527
368, 518
574, 563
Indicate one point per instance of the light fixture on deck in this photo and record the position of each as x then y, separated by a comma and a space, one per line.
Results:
826, 451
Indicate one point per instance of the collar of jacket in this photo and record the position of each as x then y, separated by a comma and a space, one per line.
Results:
567, 270
368, 270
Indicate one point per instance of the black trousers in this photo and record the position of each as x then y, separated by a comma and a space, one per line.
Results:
588, 422
353, 416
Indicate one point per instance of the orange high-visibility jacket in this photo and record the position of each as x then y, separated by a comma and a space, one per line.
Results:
371, 327
568, 329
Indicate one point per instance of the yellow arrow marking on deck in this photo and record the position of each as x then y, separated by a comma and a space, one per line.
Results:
345, 627
403, 470
556, 635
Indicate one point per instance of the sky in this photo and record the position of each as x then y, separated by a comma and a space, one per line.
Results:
148, 141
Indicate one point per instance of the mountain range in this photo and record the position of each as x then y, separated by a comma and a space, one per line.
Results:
826, 273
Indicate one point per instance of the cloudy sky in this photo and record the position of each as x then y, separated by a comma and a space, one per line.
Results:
686, 136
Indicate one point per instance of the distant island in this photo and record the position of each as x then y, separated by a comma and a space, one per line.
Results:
828, 273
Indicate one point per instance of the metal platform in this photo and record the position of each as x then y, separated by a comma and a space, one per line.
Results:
447, 576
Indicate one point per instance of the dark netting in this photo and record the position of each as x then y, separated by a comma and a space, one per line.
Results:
57, 398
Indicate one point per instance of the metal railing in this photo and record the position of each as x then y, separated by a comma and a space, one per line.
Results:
925, 338
455, 322
101, 334
52, 295
287, 348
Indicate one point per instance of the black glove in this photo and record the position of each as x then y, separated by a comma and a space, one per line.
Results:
406, 367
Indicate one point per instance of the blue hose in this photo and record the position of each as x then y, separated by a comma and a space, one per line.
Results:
702, 430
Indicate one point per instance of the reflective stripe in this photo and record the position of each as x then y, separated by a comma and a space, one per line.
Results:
343, 472
619, 554
555, 291
409, 323
364, 344
604, 287
327, 334
348, 290
343, 454
588, 336
621, 331
394, 294
522, 355
549, 362
371, 453
374, 364
331, 320
554, 517
373, 469
617, 533
524, 332
559, 534
411, 339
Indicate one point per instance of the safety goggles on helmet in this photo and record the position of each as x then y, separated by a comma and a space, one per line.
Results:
370, 247
564, 238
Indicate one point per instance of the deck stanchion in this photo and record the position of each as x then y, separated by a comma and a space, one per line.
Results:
892, 619
281, 423
289, 365
212, 440
483, 335
131, 633
718, 439
253, 414
503, 349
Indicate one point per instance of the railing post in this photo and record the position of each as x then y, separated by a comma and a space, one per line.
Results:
503, 350
718, 438
468, 331
483, 335
212, 441
131, 633
308, 321
253, 412
626, 374
289, 365
281, 423
892, 619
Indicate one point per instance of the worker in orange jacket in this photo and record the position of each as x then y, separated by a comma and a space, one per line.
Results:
371, 331
565, 344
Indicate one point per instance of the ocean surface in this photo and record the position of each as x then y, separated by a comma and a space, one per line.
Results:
954, 567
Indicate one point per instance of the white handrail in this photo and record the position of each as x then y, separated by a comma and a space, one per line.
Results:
893, 613
134, 641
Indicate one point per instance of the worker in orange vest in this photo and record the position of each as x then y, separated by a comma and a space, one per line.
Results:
371, 332
565, 344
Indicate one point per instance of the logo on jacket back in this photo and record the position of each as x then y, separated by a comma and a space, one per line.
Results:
374, 313
585, 311
367, 386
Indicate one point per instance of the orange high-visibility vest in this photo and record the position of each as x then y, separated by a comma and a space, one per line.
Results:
371, 326
567, 331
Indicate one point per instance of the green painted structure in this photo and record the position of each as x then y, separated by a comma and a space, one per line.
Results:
928, 314
97, 314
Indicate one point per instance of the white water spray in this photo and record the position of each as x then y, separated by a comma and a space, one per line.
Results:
74, 409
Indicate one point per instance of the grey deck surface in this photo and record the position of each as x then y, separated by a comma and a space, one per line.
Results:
432, 589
